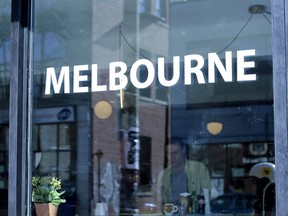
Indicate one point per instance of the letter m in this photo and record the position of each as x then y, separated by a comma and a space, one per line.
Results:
51, 77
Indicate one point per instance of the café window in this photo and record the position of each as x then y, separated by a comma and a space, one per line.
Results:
172, 101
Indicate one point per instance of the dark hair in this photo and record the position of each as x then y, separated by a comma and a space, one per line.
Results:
178, 140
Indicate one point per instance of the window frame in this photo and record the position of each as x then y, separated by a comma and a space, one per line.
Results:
20, 106
280, 85
19, 176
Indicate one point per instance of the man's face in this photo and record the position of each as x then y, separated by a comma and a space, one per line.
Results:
176, 155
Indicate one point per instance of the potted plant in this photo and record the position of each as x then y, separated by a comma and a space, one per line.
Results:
46, 195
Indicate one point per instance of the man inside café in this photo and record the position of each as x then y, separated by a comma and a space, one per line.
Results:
182, 176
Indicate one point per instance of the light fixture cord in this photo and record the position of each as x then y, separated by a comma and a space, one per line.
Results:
263, 199
236, 35
269, 21
130, 45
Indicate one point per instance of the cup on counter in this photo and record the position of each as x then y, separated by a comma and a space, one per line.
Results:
169, 209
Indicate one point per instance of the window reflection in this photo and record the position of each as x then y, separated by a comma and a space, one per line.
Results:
50, 46
55, 143
135, 136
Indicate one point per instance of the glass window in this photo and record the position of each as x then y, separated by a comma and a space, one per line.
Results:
160, 9
140, 104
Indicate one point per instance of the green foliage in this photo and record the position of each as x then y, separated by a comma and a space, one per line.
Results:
46, 189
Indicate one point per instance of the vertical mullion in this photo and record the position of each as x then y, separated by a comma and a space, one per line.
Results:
18, 181
15, 123
280, 83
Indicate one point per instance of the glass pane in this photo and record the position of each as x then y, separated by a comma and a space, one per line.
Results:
140, 104
5, 43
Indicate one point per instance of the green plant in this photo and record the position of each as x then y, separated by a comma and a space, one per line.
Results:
46, 189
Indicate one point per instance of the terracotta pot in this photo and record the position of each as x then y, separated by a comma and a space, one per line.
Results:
46, 209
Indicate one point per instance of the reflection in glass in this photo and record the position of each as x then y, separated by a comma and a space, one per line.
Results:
226, 125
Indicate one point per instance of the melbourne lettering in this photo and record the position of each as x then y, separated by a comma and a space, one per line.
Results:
119, 76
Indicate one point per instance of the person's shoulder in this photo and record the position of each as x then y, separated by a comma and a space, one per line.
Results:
165, 171
195, 163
